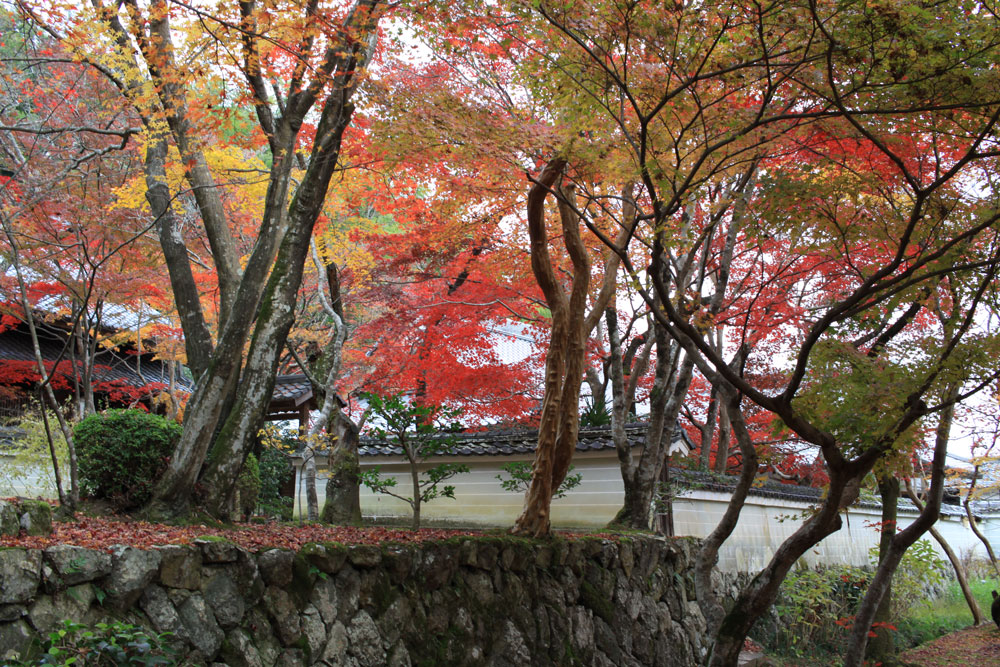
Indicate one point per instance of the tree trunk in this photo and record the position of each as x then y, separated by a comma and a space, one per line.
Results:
725, 430
565, 341
411, 456
757, 596
882, 647
902, 540
975, 526
45, 385
670, 385
312, 499
277, 312
226, 407
708, 554
197, 338
343, 504
559, 424
708, 431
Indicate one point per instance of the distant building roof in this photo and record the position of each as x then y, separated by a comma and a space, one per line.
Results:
109, 365
698, 480
504, 442
292, 394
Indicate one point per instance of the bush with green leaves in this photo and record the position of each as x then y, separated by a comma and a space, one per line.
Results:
106, 645
518, 479
121, 453
813, 610
920, 577
275, 470
422, 432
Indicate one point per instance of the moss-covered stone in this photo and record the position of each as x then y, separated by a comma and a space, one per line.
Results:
327, 557
9, 521
35, 517
594, 600
304, 575
539, 602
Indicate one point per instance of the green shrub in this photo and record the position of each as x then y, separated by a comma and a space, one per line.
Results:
116, 644
919, 578
518, 479
121, 453
248, 485
275, 469
813, 610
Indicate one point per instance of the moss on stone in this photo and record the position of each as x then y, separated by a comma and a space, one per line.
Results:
383, 595
214, 538
303, 577
596, 602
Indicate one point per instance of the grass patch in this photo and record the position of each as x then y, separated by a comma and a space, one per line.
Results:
948, 613
922, 623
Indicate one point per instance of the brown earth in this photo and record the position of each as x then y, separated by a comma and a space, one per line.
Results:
978, 646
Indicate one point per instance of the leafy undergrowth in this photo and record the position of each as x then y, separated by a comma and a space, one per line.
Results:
976, 645
104, 532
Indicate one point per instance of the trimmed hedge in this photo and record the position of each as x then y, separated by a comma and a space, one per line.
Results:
121, 453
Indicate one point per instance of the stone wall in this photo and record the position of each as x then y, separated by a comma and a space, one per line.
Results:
471, 601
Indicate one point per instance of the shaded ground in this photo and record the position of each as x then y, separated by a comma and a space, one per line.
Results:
975, 645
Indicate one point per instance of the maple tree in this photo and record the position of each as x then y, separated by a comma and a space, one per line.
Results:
298, 66
793, 190
396, 301
72, 259
873, 151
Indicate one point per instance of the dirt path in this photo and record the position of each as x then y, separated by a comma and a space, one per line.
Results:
978, 646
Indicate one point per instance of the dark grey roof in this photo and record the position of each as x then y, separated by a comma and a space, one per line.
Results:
501, 442
113, 366
698, 480
296, 388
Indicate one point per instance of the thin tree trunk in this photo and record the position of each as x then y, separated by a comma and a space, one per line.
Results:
45, 384
882, 646
975, 526
312, 499
708, 430
52, 449
725, 430
902, 540
956, 562
708, 554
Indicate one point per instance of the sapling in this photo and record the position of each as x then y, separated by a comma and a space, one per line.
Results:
520, 477
421, 432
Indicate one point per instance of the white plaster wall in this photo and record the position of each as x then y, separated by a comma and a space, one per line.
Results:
481, 501
29, 481
764, 522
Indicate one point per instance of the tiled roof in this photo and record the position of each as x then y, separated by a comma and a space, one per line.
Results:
292, 388
500, 442
701, 481
109, 365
